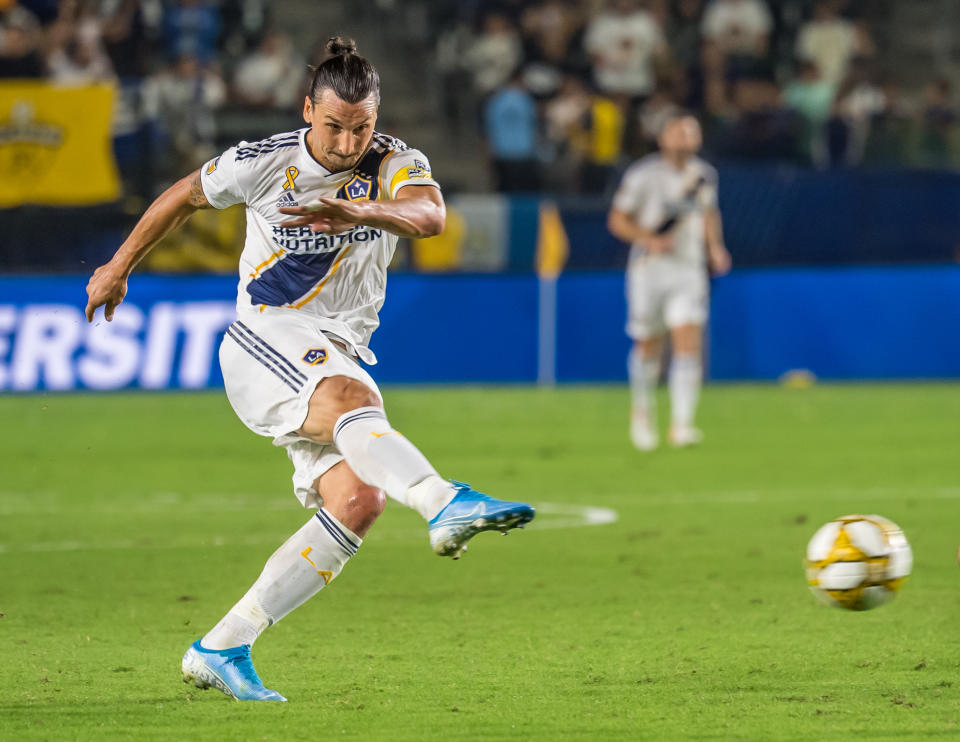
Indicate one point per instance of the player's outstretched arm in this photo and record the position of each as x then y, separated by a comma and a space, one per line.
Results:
417, 211
173, 207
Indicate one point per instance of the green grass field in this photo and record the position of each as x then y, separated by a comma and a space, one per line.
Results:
129, 524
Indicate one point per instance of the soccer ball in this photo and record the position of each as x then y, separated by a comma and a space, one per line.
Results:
858, 562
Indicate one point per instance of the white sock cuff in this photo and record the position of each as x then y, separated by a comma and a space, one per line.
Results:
360, 413
346, 539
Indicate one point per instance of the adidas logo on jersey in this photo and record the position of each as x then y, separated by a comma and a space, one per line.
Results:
287, 199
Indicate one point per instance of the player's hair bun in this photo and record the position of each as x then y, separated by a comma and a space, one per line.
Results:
338, 46
345, 72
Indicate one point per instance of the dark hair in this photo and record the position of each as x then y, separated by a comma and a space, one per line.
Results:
344, 72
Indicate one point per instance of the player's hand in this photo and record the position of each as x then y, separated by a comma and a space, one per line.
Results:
659, 243
327, 215
718, 260
106, 288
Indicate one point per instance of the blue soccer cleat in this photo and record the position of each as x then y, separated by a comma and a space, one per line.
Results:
469, 513
228, 670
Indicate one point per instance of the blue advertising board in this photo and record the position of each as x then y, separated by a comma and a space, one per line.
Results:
166, 333
839, 323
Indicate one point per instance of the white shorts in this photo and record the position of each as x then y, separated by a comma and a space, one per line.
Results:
271, 364
661, 295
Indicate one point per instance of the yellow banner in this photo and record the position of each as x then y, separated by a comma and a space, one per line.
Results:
55, 146
553, 247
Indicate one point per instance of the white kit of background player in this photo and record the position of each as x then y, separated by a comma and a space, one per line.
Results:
325, 206
666, 207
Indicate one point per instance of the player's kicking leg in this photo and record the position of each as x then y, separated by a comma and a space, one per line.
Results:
350, 414
686, 374
297, 571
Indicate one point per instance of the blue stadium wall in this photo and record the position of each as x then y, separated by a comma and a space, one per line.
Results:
840, 323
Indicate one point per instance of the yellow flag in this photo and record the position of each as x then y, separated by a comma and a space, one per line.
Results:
442, 252
553, 246
55, 146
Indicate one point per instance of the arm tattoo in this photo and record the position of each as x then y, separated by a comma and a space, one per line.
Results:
197, 198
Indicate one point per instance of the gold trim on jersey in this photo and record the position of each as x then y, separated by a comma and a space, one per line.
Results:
405, 174
380, 196
319, 287
265, 263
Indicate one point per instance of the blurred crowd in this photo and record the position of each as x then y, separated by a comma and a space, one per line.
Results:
176, 63
565, 91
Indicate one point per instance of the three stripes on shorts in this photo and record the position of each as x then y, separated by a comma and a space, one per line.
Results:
267, 355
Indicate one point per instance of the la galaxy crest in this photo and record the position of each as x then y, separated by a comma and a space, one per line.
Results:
315, 357
358, 189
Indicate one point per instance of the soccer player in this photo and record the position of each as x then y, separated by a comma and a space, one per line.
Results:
666, 208
325, 205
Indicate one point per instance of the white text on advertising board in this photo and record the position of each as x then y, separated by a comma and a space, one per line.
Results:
168, 345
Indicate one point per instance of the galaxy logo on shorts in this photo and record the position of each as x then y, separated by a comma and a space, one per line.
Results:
315, 356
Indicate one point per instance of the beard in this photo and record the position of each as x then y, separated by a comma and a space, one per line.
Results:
343, 162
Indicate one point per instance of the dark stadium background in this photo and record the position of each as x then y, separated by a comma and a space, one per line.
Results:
839, 192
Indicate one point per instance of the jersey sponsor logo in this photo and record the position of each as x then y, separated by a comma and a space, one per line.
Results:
358, 189
287, 199
305, 240
291, 173
213, 164
315, 357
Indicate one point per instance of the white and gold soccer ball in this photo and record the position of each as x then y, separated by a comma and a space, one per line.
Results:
858, 562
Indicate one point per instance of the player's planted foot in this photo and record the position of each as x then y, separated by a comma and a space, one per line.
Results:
681, 437
228, 670
642, 433
469, 513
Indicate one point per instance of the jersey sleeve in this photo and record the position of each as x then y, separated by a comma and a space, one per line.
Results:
407, 167
630, 192
221, 186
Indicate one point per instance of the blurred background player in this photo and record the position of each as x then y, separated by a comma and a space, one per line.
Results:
666, 208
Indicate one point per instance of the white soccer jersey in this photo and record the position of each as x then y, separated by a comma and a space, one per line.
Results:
660, 197
337, 281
